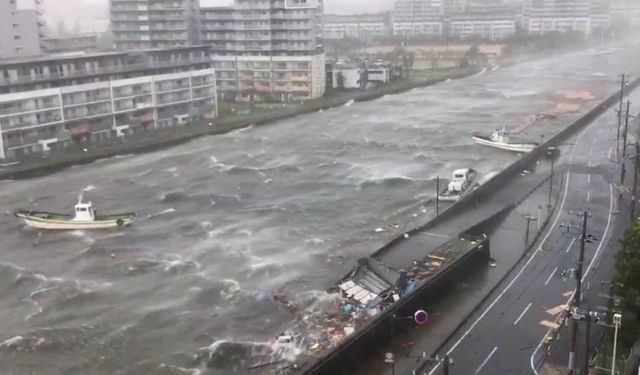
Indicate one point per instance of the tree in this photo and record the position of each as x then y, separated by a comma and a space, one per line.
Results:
627, 282
628, 267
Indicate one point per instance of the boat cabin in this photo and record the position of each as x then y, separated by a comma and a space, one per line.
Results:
500, 136
84, 212
460, 180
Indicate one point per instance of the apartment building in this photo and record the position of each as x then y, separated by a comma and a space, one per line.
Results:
256, 27
25, 74
270, 78
38, 121
364, 26
266, 49
20, 28
541, 17
482, 25
418, 17
70, 43
145, 24
625, 13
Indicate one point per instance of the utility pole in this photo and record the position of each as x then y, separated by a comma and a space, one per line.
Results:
529, 219
577, 296
635, 181
437, 195
551, 154
620, 117
624, 147
586, 346
445, 365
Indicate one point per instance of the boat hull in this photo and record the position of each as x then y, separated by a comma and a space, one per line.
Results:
515, 147
60, 222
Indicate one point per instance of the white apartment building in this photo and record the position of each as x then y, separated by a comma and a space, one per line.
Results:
48, 71
418, 17
35, 122
474, 26
357, 26
270, 78
266, 49
256, 27
145, 24
543, 16
625, 13
20, 28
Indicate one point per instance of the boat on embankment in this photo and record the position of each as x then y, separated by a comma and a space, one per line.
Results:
501, 139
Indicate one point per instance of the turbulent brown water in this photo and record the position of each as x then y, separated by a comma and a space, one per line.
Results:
227, 220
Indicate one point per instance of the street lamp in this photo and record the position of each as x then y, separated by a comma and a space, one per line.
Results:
551, 152
617, 321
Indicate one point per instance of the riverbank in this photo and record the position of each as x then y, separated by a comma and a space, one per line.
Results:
172, 136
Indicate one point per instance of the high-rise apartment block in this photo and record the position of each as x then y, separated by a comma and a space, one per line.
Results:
144, 24
255, 27
266, 49
20, 28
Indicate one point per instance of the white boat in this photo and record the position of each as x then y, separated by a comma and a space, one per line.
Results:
500, 139
463, 182
85, 217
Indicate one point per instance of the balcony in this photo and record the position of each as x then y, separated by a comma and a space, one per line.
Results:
101, 71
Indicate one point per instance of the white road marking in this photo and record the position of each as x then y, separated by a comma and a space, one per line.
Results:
591, 152
538, 250
571, 294
570, 244
486, 360
588, 196
589, 179
517, 276
550, 276
521, 315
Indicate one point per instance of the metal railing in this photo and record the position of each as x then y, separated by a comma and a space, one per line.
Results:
100, 71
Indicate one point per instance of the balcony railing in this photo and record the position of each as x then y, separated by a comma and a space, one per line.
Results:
101, 71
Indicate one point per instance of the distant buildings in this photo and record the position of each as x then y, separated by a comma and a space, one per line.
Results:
625, 13
144, 24
20, 28
70, 43
266, 49
357, 25
498, 19
541, 17
418, 17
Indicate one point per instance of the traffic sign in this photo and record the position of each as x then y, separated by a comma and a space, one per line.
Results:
388, 358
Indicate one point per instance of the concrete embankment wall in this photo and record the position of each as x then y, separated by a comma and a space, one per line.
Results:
368, 340
158, 139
